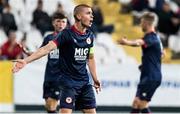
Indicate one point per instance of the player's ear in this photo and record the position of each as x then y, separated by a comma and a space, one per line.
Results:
77, 17
53, 23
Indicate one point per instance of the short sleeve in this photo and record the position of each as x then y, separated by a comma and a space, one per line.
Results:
148, 41
161, 45
92, 38
60, 39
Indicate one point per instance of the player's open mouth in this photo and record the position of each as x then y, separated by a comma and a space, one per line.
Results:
91, 21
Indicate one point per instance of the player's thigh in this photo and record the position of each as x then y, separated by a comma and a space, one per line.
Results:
65, 111
87, 98
89, 111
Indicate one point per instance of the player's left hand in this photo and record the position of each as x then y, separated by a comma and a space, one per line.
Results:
97, 86
18, 65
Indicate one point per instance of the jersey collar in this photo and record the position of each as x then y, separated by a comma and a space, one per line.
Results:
73, 28
55, 33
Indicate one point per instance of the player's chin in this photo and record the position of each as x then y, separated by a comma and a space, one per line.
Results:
89, 25
60, 28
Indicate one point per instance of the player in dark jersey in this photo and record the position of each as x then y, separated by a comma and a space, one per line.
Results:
150, 78
76, 50
51, 88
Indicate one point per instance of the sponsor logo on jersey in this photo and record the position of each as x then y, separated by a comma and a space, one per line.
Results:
81, 53
54, 54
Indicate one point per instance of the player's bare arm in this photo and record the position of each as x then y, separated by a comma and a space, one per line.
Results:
92, 68
134, 43
41, 52
20, 63
163, 53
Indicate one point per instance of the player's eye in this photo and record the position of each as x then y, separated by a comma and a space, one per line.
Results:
89, 13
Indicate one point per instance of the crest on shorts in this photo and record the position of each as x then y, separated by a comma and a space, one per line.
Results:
68, 99
88, 40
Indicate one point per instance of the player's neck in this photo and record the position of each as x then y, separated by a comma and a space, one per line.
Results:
152, 29
80, 28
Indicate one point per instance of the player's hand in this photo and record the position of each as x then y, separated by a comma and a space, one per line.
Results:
18, 65
163, 53
123, 41
97, 86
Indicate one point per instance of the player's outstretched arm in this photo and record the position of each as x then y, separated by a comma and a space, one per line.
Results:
92, 69
125, 41
20, 63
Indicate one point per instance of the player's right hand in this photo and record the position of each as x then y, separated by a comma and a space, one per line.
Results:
18, 65
122, 41
97, 86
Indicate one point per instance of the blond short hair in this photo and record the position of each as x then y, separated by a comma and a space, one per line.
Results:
151, 18
78, 9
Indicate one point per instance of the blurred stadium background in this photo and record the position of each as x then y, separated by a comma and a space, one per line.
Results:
117, 66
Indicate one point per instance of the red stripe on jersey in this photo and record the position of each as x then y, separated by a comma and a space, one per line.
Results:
55, 33
73, 28
144, 45
56, 42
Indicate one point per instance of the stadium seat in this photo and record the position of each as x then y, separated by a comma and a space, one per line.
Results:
34, 39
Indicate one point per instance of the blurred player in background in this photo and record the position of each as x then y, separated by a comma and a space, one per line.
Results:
10, 49
76, 50
51, 86
151, 76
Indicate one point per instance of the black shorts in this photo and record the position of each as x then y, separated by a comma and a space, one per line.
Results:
51, 89
146, 91
77, 94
